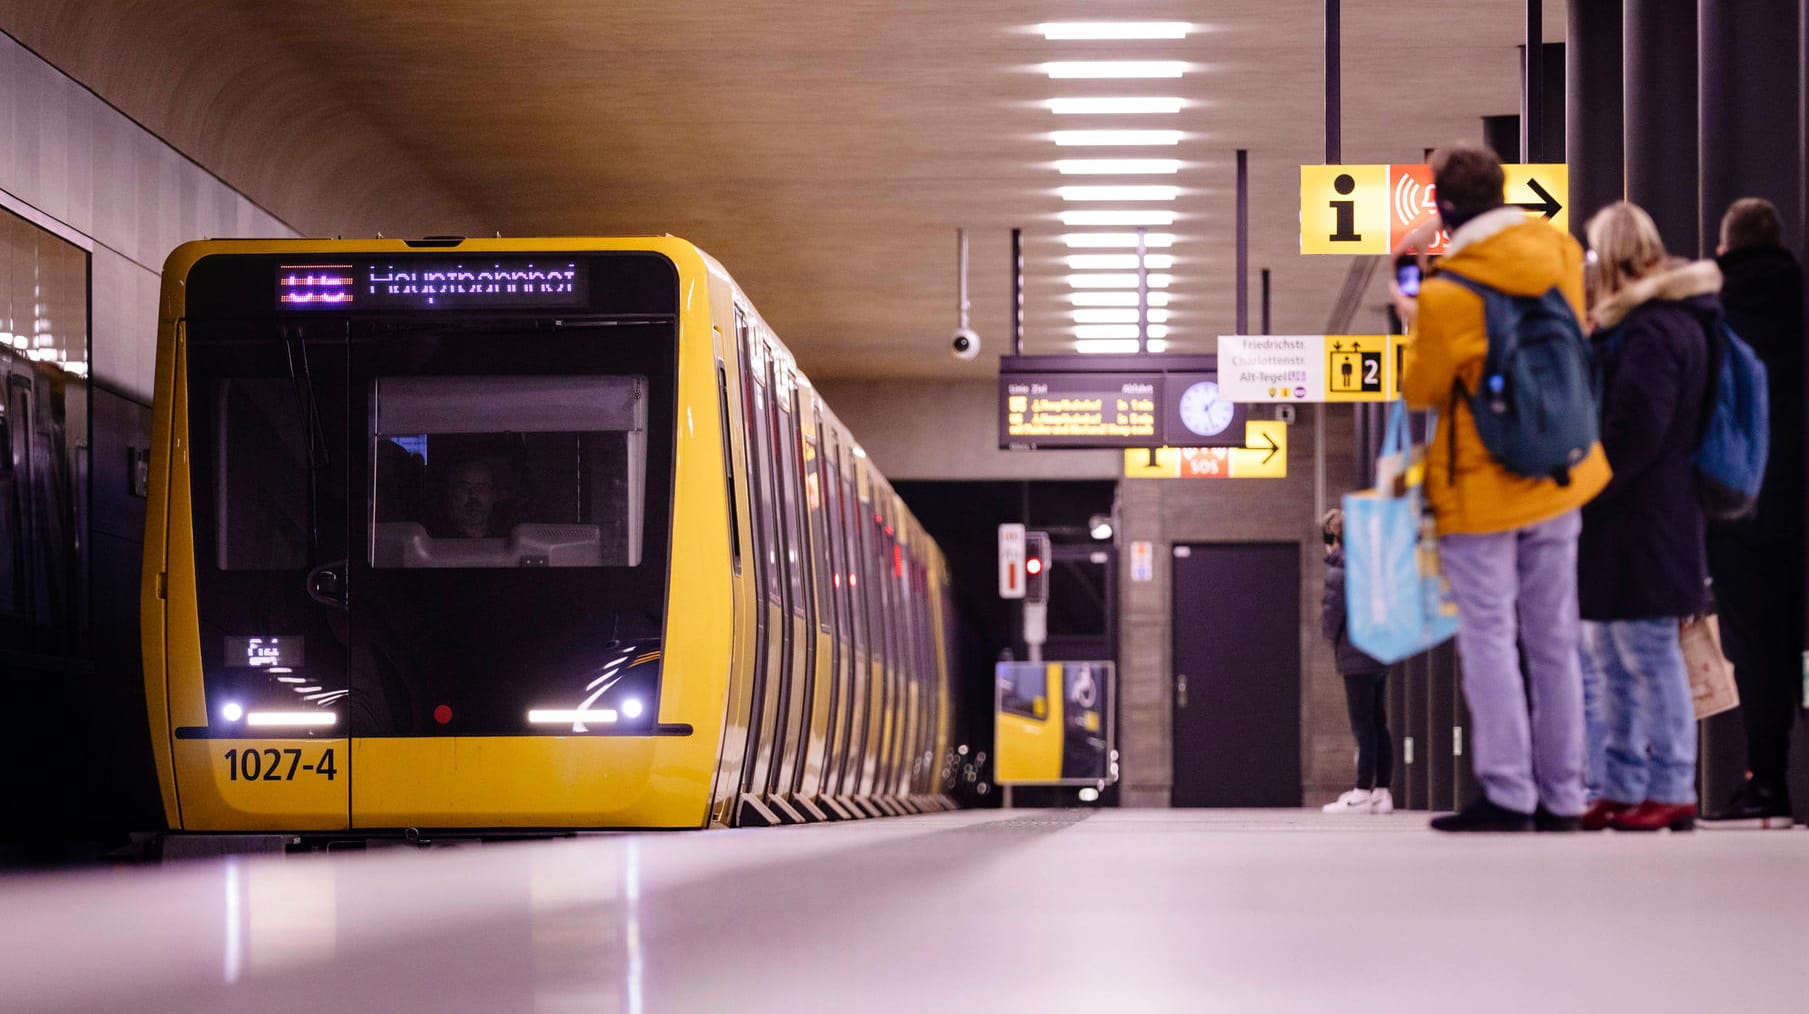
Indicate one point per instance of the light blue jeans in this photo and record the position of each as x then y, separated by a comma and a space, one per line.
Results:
1642, 726
1513, 589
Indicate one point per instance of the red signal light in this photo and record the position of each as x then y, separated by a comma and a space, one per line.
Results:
1034, 565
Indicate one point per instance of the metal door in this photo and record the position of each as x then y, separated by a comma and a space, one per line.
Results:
1236, 671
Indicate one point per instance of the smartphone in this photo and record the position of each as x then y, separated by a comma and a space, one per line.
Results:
1407, 276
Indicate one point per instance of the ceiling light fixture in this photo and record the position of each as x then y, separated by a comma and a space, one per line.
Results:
1096, 298
1120, 280
1082, 31
1095, 331
1116, 315
1123, 217
1116, 346
1119, 262
1118, 166
1072, 70
1116, 240
1120, 193
1116, 138
1127, 105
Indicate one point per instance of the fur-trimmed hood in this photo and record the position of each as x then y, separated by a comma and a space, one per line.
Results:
1686, 280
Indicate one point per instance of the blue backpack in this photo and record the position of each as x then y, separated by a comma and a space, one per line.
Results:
1535, 409
1736, 428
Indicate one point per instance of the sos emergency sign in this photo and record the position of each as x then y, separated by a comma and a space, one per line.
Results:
1367, 209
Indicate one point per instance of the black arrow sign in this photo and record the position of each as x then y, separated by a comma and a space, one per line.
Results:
1274, 449
1549, 206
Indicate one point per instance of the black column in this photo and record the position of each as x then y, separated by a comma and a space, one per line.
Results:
1660, 101
1593, 141
1749, 131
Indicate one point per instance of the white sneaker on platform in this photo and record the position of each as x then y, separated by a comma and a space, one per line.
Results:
1354, 801
1381, 801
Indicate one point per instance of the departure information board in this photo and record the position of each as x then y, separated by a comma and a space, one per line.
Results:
1115, 401
424, 284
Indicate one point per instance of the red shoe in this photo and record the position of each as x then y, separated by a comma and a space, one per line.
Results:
1650, 816
1602, 812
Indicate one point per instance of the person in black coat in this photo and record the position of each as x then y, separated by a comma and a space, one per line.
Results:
1758, 562
1641, 563
1365, 688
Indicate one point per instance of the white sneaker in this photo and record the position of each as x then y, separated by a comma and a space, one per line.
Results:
1381, 801
1354, 801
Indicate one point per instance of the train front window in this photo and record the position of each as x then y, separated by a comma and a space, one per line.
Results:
508, 471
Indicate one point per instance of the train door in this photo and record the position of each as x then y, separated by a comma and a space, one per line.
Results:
859, 669
829, 475
822, 631
268, 466
798, 719
769, 612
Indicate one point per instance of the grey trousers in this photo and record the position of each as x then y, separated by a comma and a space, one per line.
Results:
1526, 733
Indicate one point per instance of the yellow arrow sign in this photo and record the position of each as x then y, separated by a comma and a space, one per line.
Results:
1263, 456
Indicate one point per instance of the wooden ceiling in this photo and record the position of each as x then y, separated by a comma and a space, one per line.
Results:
825, 153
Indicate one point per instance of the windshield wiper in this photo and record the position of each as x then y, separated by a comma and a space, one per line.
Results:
314, 434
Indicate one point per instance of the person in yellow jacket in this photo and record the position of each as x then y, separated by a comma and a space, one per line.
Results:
1507, 544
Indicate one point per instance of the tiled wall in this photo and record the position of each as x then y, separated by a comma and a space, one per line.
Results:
68, 157
1171, 511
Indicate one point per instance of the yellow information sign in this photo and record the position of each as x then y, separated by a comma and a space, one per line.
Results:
1367, 209
1263, 456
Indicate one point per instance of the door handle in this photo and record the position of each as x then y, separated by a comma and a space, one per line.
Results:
1180, 690
325, 584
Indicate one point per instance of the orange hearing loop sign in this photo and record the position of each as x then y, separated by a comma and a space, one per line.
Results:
1367, 209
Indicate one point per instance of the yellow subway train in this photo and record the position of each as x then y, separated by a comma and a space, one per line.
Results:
501, 535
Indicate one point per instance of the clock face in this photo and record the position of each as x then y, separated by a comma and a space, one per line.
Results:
1203, 411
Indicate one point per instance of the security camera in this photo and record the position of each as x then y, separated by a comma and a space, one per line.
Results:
965, 344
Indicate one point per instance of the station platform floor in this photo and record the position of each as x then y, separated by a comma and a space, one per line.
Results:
993, 911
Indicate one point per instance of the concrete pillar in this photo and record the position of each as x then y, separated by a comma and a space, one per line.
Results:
1749, 131
1594, 144
1659, 78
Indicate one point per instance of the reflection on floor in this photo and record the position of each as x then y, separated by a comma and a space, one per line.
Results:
995, 912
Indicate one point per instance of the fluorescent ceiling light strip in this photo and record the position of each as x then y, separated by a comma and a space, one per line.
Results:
1126, 105
570, 716
1071, 70
1098, 298
1106, 346
1115, 315
1119, 262
1133, 192
1083, 31
290, 719
1105, 331
1116, 138
1127, 217
1117, 240
1118, 166
1123, 280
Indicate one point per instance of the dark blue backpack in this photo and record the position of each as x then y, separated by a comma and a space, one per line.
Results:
1535, 409
1736, 429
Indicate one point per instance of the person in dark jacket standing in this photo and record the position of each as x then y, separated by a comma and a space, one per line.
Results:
1365, 689
1758, 562
1641, 564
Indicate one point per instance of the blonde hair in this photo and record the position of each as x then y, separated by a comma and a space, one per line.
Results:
1626, 245
1333, 524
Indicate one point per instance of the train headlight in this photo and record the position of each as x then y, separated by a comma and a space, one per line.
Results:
232, 712
631, 708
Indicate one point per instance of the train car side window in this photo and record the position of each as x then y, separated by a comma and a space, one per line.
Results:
508, 471
789, 464
813, 501
753, 414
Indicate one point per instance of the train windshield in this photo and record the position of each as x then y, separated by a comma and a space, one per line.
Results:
508, 471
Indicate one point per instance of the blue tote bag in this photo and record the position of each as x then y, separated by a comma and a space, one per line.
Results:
1398, 604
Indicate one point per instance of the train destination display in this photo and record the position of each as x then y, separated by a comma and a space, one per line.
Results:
420, 284
1116, 408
